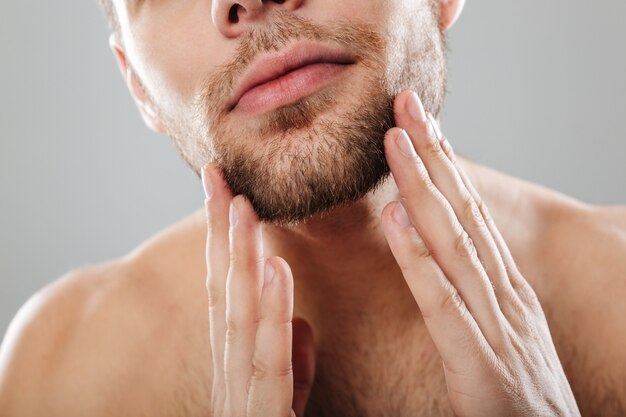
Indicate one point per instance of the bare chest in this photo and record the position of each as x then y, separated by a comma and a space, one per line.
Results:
361, 378
400, 377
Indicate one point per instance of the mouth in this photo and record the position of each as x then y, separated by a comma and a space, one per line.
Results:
279, 79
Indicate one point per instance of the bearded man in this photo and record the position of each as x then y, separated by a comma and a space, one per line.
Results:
346, 262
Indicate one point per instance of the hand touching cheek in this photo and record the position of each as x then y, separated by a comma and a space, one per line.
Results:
263, 360
484, 317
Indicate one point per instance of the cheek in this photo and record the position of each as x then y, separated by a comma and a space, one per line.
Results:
173, 46
173, 50
379, 13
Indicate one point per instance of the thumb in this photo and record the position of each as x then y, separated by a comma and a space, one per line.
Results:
303, 358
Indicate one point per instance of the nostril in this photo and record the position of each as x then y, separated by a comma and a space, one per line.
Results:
279, 1
233, 15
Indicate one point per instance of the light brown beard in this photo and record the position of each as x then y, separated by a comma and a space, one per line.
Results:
313, 155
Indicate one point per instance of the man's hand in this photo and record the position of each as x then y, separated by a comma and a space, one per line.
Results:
484, 317
250, 313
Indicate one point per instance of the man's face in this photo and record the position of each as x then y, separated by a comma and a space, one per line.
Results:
311, 154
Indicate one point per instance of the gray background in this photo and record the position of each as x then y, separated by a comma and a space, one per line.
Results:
536, 90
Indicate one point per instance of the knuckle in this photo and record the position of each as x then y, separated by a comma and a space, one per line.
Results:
447, 148
246, 262
430, 185
212, 223
516, 344
511, 385
519, 316
448, 301
472, 214
420, 165
434, 148
464, 246
526, 321
418, 248
526, 292
236, 326
532, 301
261, 370
215, 294
232, 330
214, 227
482, 208
215, 303
279, 321
425, 185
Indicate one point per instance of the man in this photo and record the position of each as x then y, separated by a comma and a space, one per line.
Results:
295, 112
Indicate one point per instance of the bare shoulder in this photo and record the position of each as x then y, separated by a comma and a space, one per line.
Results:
585, 247
593, 236
120, 337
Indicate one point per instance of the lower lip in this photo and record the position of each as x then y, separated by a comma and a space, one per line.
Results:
288, 88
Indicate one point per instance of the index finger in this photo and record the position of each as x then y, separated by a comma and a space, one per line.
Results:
217, 207
446, 239
451, 326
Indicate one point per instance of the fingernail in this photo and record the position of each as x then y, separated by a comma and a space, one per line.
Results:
415, 108
232, 214
206, 182
435, 125
405, 145
269, 272
400, 215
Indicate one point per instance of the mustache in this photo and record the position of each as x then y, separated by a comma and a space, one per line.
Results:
279, 29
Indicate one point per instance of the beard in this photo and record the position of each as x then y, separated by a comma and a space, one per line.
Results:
326, 149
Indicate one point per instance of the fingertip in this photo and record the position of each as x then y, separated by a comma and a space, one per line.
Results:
393, 233
393, 133
401, 99
270, 272
220, 190
395, 215
282, 268
242, 212
238, 202
209, 170
398, 227
386, 214
206, 183
277, 288
388, 141
398, 103
400, 215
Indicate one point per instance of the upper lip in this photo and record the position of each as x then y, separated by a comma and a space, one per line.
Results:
270, 67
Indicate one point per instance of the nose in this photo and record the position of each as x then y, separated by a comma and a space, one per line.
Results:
233, 17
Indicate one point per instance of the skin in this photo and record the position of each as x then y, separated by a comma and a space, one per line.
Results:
379, 328
497, 352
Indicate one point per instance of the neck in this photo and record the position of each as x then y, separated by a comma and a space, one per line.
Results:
339, 257
344, 272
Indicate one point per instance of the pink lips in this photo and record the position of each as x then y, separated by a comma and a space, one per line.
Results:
298, 71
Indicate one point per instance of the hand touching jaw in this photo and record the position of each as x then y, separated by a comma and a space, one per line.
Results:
483, 316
